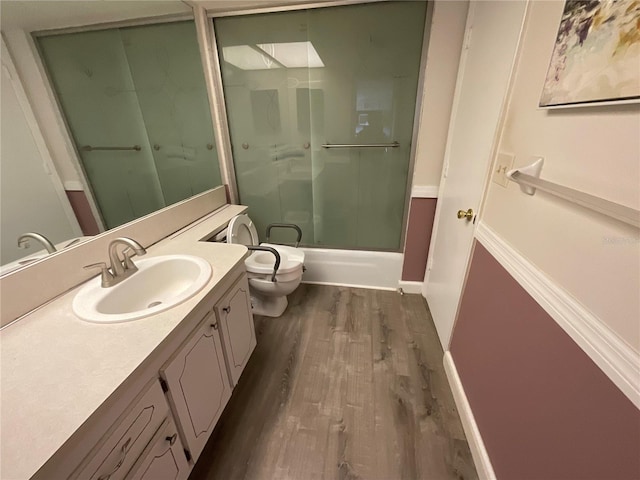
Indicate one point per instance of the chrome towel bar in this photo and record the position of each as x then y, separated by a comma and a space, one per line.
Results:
361, 145
89, 148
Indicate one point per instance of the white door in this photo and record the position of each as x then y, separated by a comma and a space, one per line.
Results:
493, 32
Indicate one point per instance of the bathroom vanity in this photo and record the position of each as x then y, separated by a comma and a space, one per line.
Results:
127, 400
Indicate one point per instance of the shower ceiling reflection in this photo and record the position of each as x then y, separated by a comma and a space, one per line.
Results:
273, 55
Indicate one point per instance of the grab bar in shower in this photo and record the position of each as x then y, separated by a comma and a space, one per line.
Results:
528, 179
361, 145
89, 148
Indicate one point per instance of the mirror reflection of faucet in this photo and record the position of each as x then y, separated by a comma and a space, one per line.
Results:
23, 241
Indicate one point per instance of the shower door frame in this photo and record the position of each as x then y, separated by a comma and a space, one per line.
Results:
213, 77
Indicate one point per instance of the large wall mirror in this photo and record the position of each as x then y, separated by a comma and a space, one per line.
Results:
105, 119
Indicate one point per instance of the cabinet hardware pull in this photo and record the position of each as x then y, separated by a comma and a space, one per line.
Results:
123, 454
172, 439
226, 309
215, 325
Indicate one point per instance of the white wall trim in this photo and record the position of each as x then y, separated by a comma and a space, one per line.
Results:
424, 191
476, 444
618, 360
410, 287
74, 186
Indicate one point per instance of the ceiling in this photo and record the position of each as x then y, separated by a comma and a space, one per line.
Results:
220, 6
35, 15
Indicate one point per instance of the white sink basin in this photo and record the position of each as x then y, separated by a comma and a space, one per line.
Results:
159, 284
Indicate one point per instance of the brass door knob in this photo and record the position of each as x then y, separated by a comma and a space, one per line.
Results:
465, 214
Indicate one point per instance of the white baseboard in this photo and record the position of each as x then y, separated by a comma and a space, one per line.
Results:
424, 191
619, 361
476, 445
410, 287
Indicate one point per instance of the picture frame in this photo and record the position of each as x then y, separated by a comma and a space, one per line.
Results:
596, 55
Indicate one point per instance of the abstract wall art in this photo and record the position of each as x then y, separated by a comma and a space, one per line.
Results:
596, 57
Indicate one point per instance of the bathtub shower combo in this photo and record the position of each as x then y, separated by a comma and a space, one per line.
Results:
320, 106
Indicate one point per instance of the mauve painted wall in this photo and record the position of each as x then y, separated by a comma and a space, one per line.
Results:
543, 408
81, 208
421, 214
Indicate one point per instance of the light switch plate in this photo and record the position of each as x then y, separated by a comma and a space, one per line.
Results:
503, 164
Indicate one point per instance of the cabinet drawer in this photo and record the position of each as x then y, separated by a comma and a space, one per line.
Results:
164, 457
113, 457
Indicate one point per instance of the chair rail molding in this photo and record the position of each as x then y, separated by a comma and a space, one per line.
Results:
619, 361
424, 191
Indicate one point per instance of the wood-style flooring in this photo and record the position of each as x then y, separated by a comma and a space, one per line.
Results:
347, 384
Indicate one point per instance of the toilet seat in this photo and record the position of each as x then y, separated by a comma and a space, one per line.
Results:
268, 294
242, 230
263, 262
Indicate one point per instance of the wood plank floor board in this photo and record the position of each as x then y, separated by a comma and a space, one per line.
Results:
347, 384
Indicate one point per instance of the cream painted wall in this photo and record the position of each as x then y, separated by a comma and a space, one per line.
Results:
593, 149
41, 98
443, 57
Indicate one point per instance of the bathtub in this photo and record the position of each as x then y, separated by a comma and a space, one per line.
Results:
352, 268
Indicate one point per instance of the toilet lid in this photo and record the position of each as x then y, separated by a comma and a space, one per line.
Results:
242, 230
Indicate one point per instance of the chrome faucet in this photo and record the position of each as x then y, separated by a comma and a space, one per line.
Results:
119, 269
23, 241
125, 267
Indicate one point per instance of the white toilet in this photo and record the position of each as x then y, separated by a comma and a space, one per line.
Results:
268, 297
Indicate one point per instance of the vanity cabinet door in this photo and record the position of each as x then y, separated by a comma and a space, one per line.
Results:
198, 385
237, 329
164, 458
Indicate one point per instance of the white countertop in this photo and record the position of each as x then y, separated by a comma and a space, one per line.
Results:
57, 370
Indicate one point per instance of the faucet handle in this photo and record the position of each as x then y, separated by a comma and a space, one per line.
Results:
127, 263
106, 275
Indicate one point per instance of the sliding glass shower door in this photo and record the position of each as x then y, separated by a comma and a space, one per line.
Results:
321, 105
135, 102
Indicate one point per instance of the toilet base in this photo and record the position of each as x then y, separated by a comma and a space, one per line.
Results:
268, 306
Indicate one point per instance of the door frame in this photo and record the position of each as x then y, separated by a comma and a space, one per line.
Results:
217, 101
497, 140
